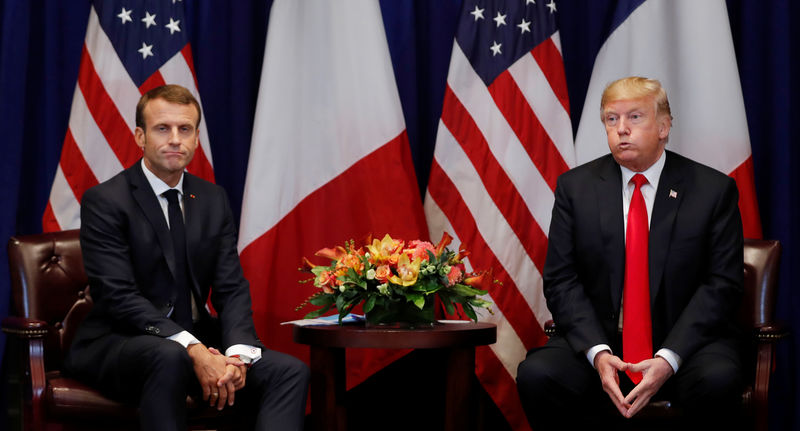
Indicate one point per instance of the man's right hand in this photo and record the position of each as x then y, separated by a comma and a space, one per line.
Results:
607, 366
213, 374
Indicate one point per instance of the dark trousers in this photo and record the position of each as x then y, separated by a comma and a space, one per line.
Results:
559, 389
157, 374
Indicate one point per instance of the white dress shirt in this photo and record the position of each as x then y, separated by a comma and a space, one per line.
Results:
248, 354
653, 174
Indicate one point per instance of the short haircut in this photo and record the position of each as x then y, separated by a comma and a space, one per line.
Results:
171, 93
635, 87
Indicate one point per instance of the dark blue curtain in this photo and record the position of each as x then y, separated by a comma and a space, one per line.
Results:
40, 48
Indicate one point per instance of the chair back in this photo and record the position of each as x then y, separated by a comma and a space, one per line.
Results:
761, 262
48, 283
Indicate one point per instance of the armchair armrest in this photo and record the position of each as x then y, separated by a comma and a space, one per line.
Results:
550, 328
770, 333
25, 328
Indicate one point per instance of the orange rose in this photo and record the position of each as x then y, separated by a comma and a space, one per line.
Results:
383, 273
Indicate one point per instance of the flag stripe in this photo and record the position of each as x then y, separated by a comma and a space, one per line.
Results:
155, 80
748, 205
111, 124
90, 140
508, 297
548, 57
508, 98
496, 181
501, 387
66, 210
76, 170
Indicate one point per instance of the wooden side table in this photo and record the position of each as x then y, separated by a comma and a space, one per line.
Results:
328, 344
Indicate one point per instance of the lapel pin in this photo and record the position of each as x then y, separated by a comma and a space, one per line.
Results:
672, 193
191, 196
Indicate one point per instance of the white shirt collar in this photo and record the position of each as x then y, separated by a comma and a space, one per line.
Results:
158, 185
653, 173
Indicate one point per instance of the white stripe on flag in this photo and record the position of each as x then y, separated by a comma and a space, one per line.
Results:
96, 152
66, 209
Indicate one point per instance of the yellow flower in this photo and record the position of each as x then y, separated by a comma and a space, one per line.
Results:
382, 251
407, 271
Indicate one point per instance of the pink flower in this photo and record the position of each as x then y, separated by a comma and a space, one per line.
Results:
455, 275
419, 250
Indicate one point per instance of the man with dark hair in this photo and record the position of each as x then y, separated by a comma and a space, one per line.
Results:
156, 241
643, 277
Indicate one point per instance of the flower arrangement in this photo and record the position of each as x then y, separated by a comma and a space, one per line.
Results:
397, 281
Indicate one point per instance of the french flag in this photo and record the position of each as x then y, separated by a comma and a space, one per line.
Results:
329, 160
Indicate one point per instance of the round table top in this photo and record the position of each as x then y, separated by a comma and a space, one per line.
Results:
440, 335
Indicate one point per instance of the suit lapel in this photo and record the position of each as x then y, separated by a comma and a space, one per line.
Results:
609, 204
146, 199
671, 190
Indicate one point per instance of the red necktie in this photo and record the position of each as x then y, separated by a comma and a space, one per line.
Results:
637, 339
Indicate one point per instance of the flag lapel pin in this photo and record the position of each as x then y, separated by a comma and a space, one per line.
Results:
673, 194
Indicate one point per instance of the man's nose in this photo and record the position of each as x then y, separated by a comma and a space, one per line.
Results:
622, 127
174, 136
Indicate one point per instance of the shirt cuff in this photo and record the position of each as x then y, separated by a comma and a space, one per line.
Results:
592, 352
184, 338
247, 354
671, 357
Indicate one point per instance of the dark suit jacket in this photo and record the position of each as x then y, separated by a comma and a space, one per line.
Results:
129, 259
695, 255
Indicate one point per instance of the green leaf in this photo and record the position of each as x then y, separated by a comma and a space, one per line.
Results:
317, 313
464, 290
470, 312
322, 300
448, 306
369, 304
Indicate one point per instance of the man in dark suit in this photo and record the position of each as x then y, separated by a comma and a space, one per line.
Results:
155, 240
685, 252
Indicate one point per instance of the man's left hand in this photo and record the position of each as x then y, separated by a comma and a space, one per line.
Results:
655, 372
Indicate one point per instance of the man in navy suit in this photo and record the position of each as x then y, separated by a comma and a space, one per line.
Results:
691, 269
156, 242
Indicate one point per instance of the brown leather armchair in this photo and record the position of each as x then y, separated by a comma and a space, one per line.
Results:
50, 297
761, 262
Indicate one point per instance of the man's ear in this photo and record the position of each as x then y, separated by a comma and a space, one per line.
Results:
664, 125
138, 135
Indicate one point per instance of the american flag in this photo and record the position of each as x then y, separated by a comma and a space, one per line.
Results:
504, 137
130, 48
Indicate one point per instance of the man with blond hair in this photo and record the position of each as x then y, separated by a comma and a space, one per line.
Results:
643, 277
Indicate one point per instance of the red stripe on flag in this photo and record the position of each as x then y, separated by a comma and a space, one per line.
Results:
351, 206
748, 205
105, 114
200, 166
77, 172
507, 297
549, 59
501, 387
49, 222
529, 130
187, 56
155, 80
500, 187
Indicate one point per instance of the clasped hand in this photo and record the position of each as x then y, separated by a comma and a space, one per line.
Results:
654, 371
219, 376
